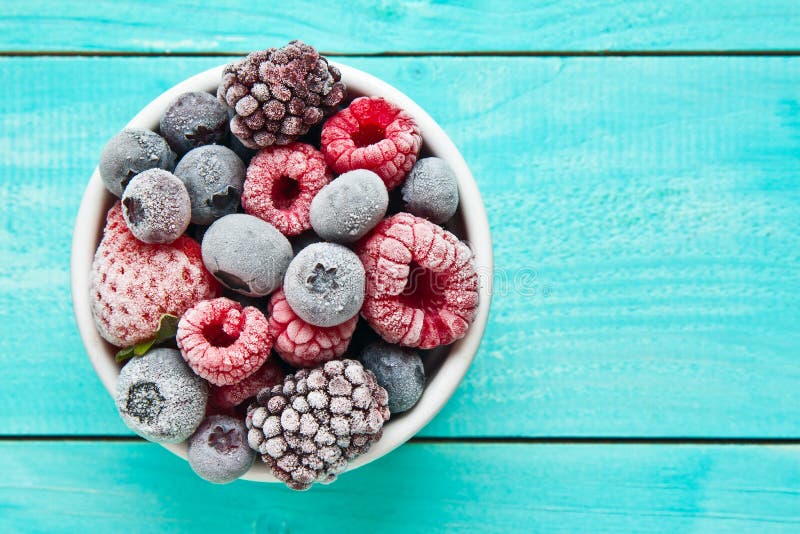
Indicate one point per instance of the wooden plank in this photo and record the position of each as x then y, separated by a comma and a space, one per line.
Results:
646, 217
373, 27
419, 488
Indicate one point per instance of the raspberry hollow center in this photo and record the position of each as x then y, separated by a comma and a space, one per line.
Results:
217, 337
368, 134
424, 288
284, 192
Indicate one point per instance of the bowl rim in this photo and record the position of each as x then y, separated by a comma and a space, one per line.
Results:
454, 366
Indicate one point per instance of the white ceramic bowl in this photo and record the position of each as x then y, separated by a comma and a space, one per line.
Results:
445, 370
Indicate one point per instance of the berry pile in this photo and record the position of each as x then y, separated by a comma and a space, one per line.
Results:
248, 271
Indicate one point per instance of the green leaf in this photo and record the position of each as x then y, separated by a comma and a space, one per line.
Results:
124, 354
140, 349
167, 328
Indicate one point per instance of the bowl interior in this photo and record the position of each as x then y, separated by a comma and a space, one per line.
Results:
445, 367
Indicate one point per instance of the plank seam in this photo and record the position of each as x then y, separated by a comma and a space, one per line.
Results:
391, 54
482, 440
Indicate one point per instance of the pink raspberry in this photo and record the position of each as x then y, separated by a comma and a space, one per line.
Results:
226, 397
134, 283
281, 182
223, 342
422, 287
372, 134
301, 344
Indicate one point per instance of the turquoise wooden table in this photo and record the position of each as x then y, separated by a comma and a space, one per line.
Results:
640, 163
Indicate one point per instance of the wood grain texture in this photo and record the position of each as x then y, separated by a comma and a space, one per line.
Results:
419, 488
371, 27
645, 212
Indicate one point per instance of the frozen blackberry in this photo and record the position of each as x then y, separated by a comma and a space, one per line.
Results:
218, 450
130, 152
160, 398
431, 190
279, 93
309, 427
213, 176
324, 284
399, 371
246, 254
192, 120
349, 207
156, 206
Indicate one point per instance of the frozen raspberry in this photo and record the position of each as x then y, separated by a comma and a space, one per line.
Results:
372, 134
134, 283
223, 342
279, 93
422, 288
280, 184
301, 344
225, 397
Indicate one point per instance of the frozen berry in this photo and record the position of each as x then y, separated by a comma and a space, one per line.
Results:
281, 182
372, 134
223, 342
349, 207
422, 287
399, 371
218, 450
278, 94
246, 254
309, 427
213, 176
301, 344
156, 206
160, 398
324, 284
225, 397
130, 152
192, 120
431, 190
133, 284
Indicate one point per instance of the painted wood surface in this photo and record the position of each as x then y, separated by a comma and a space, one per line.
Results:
363, 26
137, 487
645, 211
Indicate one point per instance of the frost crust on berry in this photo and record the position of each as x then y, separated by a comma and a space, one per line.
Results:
309, 427
421, 286
279, 93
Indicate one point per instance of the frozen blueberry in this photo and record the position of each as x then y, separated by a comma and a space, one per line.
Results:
160, 398
218, 450
246, 254
324, 284
431, 190
130, 152
399, 371
213, 176
192, 120
156, 206
350, 206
